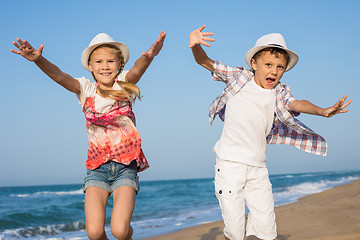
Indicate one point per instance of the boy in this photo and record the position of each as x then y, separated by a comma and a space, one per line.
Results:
259, 110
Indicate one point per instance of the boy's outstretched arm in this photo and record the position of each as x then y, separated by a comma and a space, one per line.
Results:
304, 106
142, 63
35, 55
198, 37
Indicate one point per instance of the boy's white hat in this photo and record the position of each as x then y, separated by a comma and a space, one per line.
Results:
100, 39
272, 40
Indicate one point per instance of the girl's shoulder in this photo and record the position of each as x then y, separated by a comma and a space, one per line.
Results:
86, 85
84, 81
122, 75
87, 88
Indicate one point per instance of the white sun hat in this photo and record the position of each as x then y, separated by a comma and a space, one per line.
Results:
100, 39
272, 40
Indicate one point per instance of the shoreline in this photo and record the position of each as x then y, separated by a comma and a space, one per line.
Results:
333, 214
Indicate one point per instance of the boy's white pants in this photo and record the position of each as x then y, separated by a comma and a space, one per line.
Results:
237, 184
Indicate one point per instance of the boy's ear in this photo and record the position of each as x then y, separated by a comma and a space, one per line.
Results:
253, 64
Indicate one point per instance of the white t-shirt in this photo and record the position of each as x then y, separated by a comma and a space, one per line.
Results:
88, 88
249, 117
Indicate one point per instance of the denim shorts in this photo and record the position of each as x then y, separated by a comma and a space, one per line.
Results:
112, 175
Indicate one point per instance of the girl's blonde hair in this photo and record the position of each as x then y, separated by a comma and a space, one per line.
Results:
129, 91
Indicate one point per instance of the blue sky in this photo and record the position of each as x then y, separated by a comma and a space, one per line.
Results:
43, 138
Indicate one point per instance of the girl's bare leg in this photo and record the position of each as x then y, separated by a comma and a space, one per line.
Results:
124, 203
95, 212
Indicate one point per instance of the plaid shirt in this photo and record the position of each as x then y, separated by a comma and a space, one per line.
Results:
286, 129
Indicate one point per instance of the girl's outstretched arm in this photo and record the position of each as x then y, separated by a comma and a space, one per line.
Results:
304, 106
197, 37
35, 55
142, 63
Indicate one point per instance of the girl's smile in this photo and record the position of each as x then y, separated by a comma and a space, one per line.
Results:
269, 69
104, 64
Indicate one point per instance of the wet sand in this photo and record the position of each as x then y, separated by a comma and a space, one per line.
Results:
330, 215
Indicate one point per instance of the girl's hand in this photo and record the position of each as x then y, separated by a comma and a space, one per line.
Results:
156, 47
199, 37
337, 108
26, 50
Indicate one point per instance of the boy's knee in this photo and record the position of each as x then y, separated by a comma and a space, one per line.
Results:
96, 233
122, 231
234, 232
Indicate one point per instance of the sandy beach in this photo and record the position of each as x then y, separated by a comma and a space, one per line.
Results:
330, 215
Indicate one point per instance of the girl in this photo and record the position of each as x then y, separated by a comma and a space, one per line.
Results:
114, 155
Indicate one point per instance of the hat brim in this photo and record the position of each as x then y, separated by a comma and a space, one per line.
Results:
86, 53
293, 57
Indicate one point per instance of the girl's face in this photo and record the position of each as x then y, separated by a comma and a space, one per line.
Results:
268, 69
104, 64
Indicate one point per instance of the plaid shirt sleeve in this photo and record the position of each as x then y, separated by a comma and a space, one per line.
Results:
289, 130
223, 72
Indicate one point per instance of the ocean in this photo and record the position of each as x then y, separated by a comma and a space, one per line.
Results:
56, 212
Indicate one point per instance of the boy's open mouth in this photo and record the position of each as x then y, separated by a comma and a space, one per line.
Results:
270, 80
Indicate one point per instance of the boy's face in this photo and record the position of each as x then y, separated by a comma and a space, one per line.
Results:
269, 69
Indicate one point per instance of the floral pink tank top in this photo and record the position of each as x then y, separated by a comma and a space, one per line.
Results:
113, 136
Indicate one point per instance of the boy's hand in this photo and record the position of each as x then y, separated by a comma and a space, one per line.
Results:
26, 50
199, 37
337, 108
156, 47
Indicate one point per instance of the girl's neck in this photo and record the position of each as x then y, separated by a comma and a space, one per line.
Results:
106, 87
